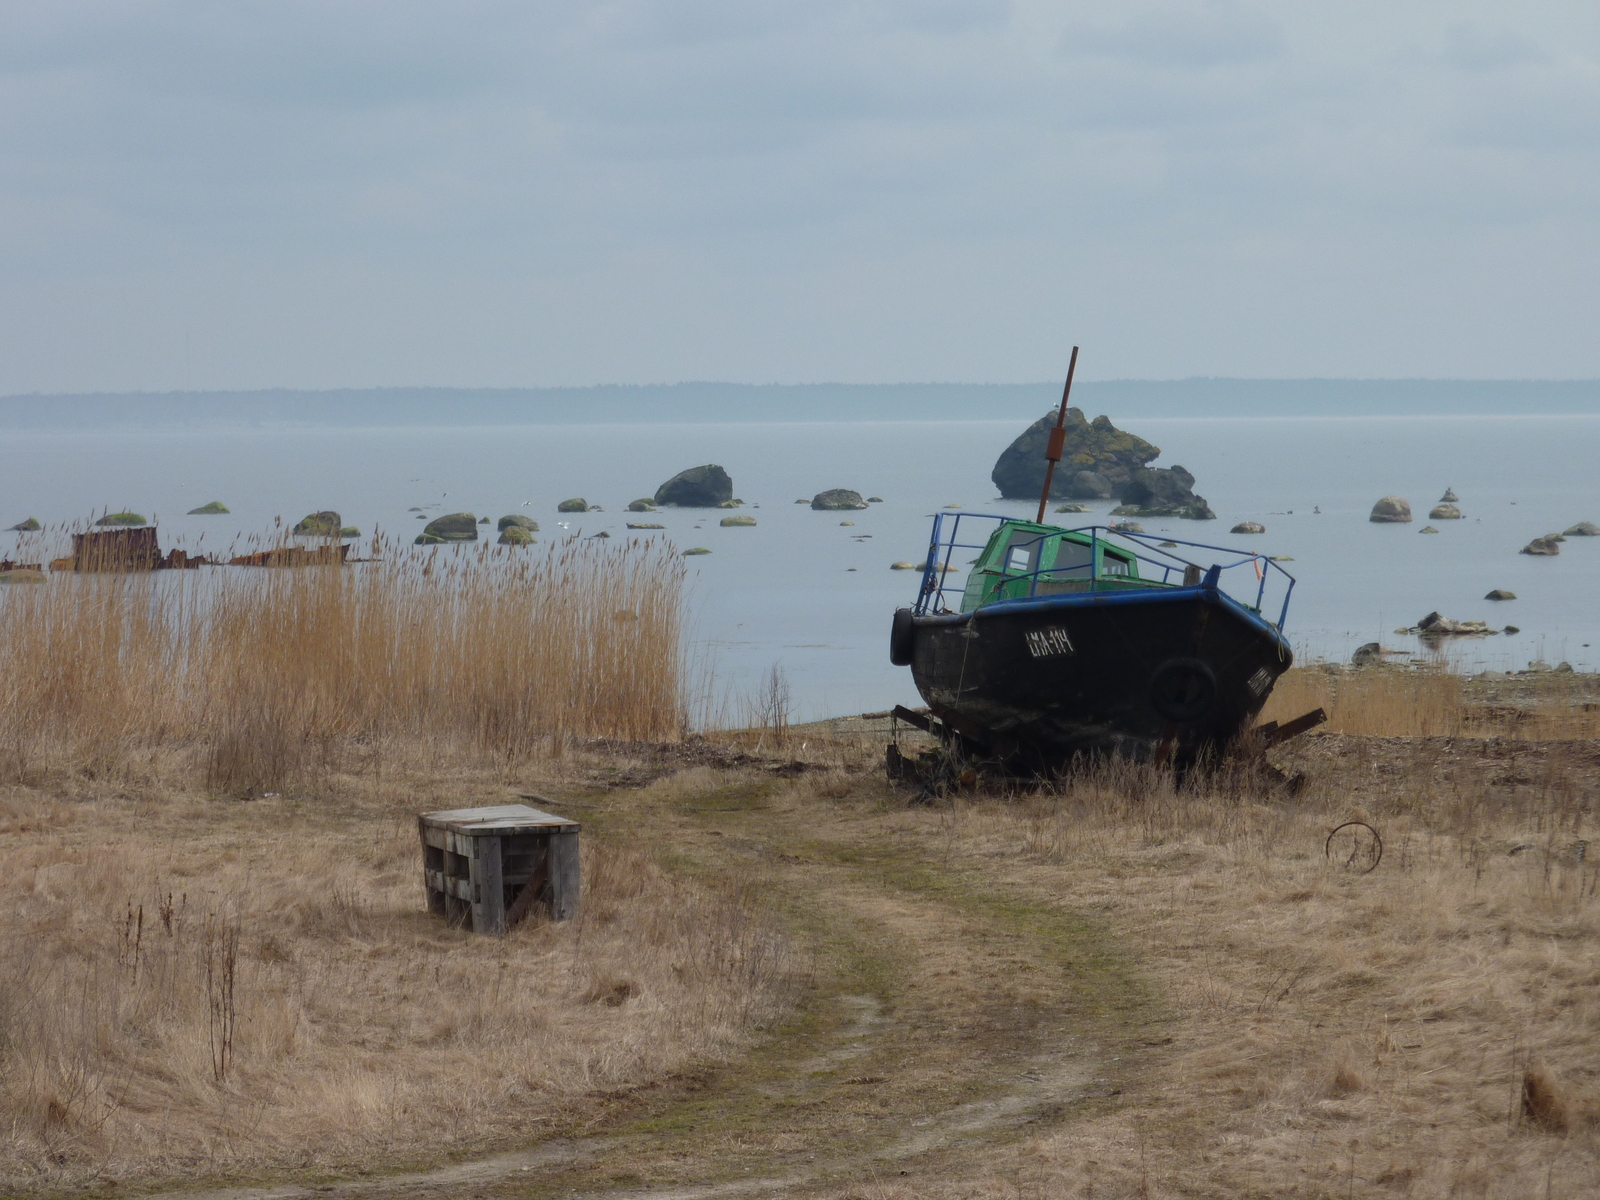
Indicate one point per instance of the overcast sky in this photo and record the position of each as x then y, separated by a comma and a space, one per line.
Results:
331, 193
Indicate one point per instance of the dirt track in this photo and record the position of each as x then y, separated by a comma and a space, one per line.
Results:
944, 1015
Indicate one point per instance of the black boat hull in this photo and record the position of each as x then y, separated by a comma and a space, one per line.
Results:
1167, 675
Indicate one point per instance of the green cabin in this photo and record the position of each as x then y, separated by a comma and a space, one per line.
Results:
1064, 560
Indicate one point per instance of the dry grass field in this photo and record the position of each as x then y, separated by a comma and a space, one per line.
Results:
786, 979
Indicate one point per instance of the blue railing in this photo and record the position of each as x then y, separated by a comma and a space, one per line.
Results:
1142, 547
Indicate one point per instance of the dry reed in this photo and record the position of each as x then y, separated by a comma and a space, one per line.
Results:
274, 677
1392, 701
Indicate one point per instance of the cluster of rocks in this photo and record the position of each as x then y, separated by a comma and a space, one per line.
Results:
514, 529
1099, 462
1396, 510
1550, 544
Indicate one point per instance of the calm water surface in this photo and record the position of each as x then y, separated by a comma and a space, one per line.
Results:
804, 591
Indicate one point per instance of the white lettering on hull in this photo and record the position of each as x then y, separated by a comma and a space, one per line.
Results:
1049, 643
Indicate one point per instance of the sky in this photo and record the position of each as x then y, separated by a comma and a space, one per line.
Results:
346, 193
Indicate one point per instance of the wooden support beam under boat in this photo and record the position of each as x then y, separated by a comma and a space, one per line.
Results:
1273, 734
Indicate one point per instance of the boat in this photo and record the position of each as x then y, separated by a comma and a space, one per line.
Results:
1053, 644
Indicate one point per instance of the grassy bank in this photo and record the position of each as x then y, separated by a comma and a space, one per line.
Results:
788, 981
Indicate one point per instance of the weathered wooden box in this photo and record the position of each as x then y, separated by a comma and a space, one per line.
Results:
490, 867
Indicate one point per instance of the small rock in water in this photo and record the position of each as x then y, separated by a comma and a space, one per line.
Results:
133, 518
736, 522
1584, 529
1280, 558
1125, 527
695, 550
644, 525
1512, 629
1427, 529
517, 519
31, 525
1248, 527
904, 566
515, 535
1368, 655
454, 527
326, 523
483, 520
1541, 546
846, 522
1444, 512
1449, 496
601, 534
215, 508
641, 506
872, 500
1169, 543
1434, 625
952, 506
1072, 508
802, 501
576, 504
1392, 510
1501, 594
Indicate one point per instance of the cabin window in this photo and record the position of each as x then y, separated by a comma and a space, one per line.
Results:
1072, 561
1111, 564
1022, 555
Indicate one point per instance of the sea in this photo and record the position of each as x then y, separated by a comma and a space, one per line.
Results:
810, 594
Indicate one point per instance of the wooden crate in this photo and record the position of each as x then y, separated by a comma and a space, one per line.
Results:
490, 867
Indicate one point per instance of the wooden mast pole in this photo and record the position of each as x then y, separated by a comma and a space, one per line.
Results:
1058, 438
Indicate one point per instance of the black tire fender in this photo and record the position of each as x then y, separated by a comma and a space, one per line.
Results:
902, 638
1183, 690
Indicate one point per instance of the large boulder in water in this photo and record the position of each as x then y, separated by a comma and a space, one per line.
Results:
520, 521
1163, 492
1083, 485
698, 487
1392, 510
1092, 448
455, 527
837, 500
